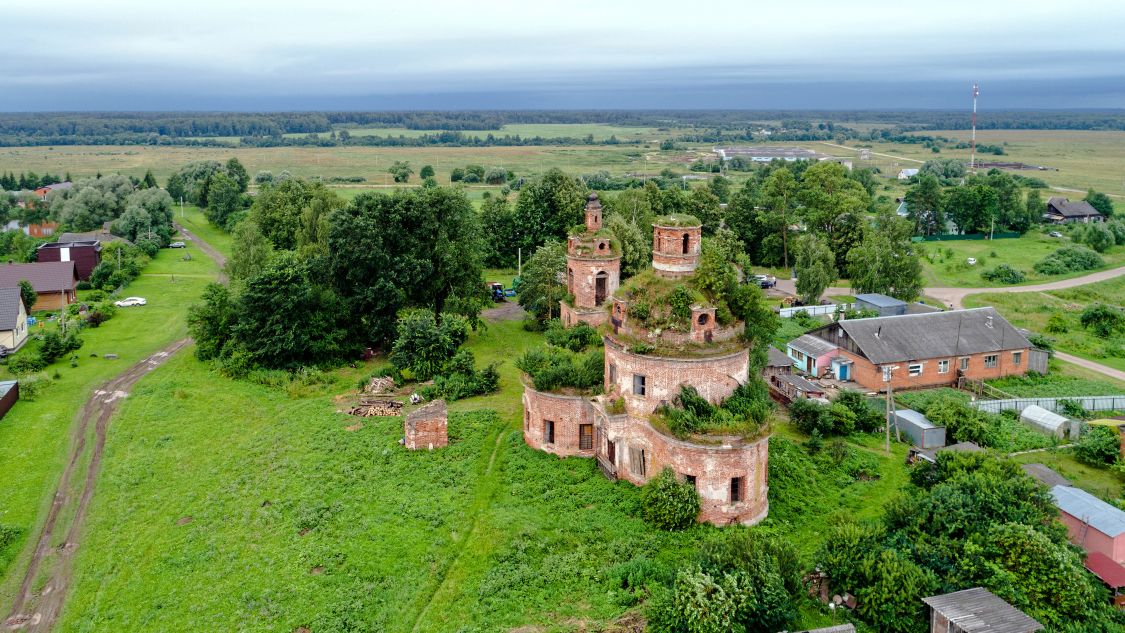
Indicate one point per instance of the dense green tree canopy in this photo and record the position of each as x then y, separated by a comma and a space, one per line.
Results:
886, 261
293, 213
816, 268
546, 209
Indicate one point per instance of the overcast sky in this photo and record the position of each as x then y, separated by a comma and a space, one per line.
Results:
349, 54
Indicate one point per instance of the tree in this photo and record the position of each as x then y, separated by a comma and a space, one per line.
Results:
288, 319
224, 199
540, 288
1033, 207
238, 173
1099, 446
498, 224
886, 261
705, 205
149, 181
251, 252
973, 206
720, 186
423, 345
636, 245
1097, 236
1104, 320
427, 171
400, 170
669, 503
1101, 202
924, 205
417, 247
816, 268
293, 213
779, 194
148, 215
945, 170
211, 322
546, 209
28, 295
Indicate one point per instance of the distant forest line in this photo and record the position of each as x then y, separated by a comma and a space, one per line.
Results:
267, 129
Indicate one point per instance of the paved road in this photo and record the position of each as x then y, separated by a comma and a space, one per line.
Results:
1091, 365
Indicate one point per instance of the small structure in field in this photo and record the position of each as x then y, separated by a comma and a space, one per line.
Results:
427, 427
9, 393
1092, 524
930, 454
777, 364
1045, 422
1044, 475
922, 432
977, 610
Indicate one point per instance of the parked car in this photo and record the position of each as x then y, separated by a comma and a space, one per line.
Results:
1055, 234
766, 281
129, 302
177, 245
972, 261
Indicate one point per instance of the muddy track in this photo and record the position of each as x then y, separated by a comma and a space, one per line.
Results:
217, 257
37, 611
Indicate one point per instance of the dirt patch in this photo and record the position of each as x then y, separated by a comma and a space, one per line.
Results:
302, 629
507, 311
184, 520
215, 255
97, 410
303, 532
355, 427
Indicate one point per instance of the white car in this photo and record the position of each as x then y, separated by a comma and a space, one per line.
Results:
129, 302
177, 245
972, 261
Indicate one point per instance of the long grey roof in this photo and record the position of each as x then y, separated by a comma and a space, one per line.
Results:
915, 418
812, 345
883, 301
44, 276
777, 358
978, 610
1045, 474
1076, 209
935, 335
1101, 516
799, 383
9, 308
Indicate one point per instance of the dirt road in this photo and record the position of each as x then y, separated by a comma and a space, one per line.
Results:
207, 249
38, 610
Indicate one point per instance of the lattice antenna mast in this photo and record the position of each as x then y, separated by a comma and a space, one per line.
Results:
973, 140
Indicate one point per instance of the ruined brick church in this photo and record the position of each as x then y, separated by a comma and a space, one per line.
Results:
645, 367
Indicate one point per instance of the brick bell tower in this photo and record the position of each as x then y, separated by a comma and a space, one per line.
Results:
676, 244
593, 269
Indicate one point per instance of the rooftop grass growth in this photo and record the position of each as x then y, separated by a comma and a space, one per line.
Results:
560, 370
663, 304
746, 412
677, 220
575, 339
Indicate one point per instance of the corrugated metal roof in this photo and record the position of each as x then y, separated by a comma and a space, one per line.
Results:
777, 358
799, 383
9, 308
839, 628
1045, 475
812, 345
1085, 507
883, 301
915, 418
978, 610
909, 337
1109, 571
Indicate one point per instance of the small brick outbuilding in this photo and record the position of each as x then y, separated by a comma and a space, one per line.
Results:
427, 427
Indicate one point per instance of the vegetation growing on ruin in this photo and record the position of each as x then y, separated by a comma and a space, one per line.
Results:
745, 412
556, 369
677, 220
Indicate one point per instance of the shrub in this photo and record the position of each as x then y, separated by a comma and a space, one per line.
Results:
1069, 259
95, 295
1099, 446
668, 503
1004, 274
423, 345
809, 417
575, 339
962, 422
55, 346
460, 379
1102, 319
26, 364
552, 368
867, 419
32, 386
1045, 343
1057, 324
1117, 228
1097, 236
1072, 409
744, 412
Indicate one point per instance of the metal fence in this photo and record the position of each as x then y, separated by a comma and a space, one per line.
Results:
787, 313
1089, 403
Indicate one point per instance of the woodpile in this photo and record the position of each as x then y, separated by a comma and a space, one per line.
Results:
368, 408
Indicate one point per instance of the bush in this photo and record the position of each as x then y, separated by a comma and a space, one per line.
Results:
1097, 236
552, 368
1004, 274
55, 346
668, 503
1103, 320
460, 379
745, 411
809, 417
1099, 446
26, 364
867, 419
32, 386
423, 345
1057, 324
575, 339
1069, 259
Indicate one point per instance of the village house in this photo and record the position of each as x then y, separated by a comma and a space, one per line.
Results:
777, 363
58, 186
920, 350
13, 320
55, 282
616, 427
1093, 524
793, 387
85, 255
977, 610
811, 354
1063, 211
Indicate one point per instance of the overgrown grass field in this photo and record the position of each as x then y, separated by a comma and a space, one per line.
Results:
35, 434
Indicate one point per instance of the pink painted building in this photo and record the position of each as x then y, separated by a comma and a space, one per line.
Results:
1093, 524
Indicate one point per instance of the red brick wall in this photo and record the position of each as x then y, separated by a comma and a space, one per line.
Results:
581, 279
427, 427
870, 376
570, 315
715, 378
668, 258
567, 412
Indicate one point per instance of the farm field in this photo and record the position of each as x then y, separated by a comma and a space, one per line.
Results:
1033, 310
35, 434
945, 263
600, 132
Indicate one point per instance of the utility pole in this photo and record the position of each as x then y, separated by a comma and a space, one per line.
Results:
181, 207
888, 373
973, 141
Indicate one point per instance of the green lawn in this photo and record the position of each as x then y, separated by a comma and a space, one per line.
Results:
1032, 311
1101, 482
193, 220
35, 435
945, 264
